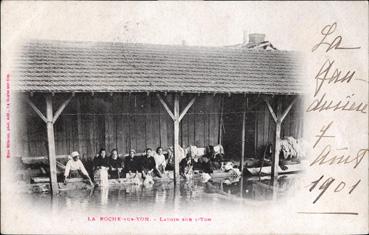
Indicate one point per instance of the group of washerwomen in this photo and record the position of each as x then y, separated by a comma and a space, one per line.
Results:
150, 164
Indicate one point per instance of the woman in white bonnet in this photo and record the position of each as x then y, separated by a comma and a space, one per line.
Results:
75, 168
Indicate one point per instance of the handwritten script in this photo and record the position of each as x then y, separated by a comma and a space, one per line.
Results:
329, 75
331, 79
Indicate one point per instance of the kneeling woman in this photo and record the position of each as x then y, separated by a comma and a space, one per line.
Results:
160, 162
115, 165
186, 166
75, 168
131, 164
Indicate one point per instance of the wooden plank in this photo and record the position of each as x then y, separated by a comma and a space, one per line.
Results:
207, 110
97, 137
89, 125
206, 129
199, 123
26, 139
58, 140
79, 124
243, 137
65, 135
126, 123
163, 129
116, 119
140, 123
130, 126
51, 145
214, 121
68, 129
121, 121
108, 120
191, 126
256, 133
156, 133
220, 126
75, 133
149, 122
266, 125
260, 131
82, 105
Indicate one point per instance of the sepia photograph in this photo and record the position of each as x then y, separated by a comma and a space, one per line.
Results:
185, 117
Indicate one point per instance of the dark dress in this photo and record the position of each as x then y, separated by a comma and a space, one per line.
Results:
204, 165
131, 165
99, 162
216, 161
147, 163
114, 164
186, 166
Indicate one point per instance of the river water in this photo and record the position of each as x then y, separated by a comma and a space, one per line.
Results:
166, 195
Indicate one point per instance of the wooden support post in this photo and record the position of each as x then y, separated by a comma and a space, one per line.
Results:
275, 160
243, 135
176, 137
51, 144
176, 117
278, 118
220, 131
277, 147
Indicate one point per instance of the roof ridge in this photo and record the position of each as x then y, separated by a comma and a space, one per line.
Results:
151, 45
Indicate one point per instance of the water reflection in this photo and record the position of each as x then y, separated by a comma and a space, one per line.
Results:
167, 195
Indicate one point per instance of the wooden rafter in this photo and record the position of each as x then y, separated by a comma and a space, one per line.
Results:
288, 109
275, 118
62, 107
281, 117
166, 106
251, 107
39, 113
189, 105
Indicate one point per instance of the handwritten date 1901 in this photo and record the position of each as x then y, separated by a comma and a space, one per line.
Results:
327, 183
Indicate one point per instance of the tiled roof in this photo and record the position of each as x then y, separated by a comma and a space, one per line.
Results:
59, 66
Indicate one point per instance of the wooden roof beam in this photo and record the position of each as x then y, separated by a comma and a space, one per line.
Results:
39, 113
183, 113
281, 117
288, 109
62, 107
166, 107
271, 110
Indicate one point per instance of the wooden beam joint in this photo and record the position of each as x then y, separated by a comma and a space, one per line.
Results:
39, 113
275, 118
166, 107
189, 105
61, 108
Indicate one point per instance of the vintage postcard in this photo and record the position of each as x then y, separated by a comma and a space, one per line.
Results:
184, 117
